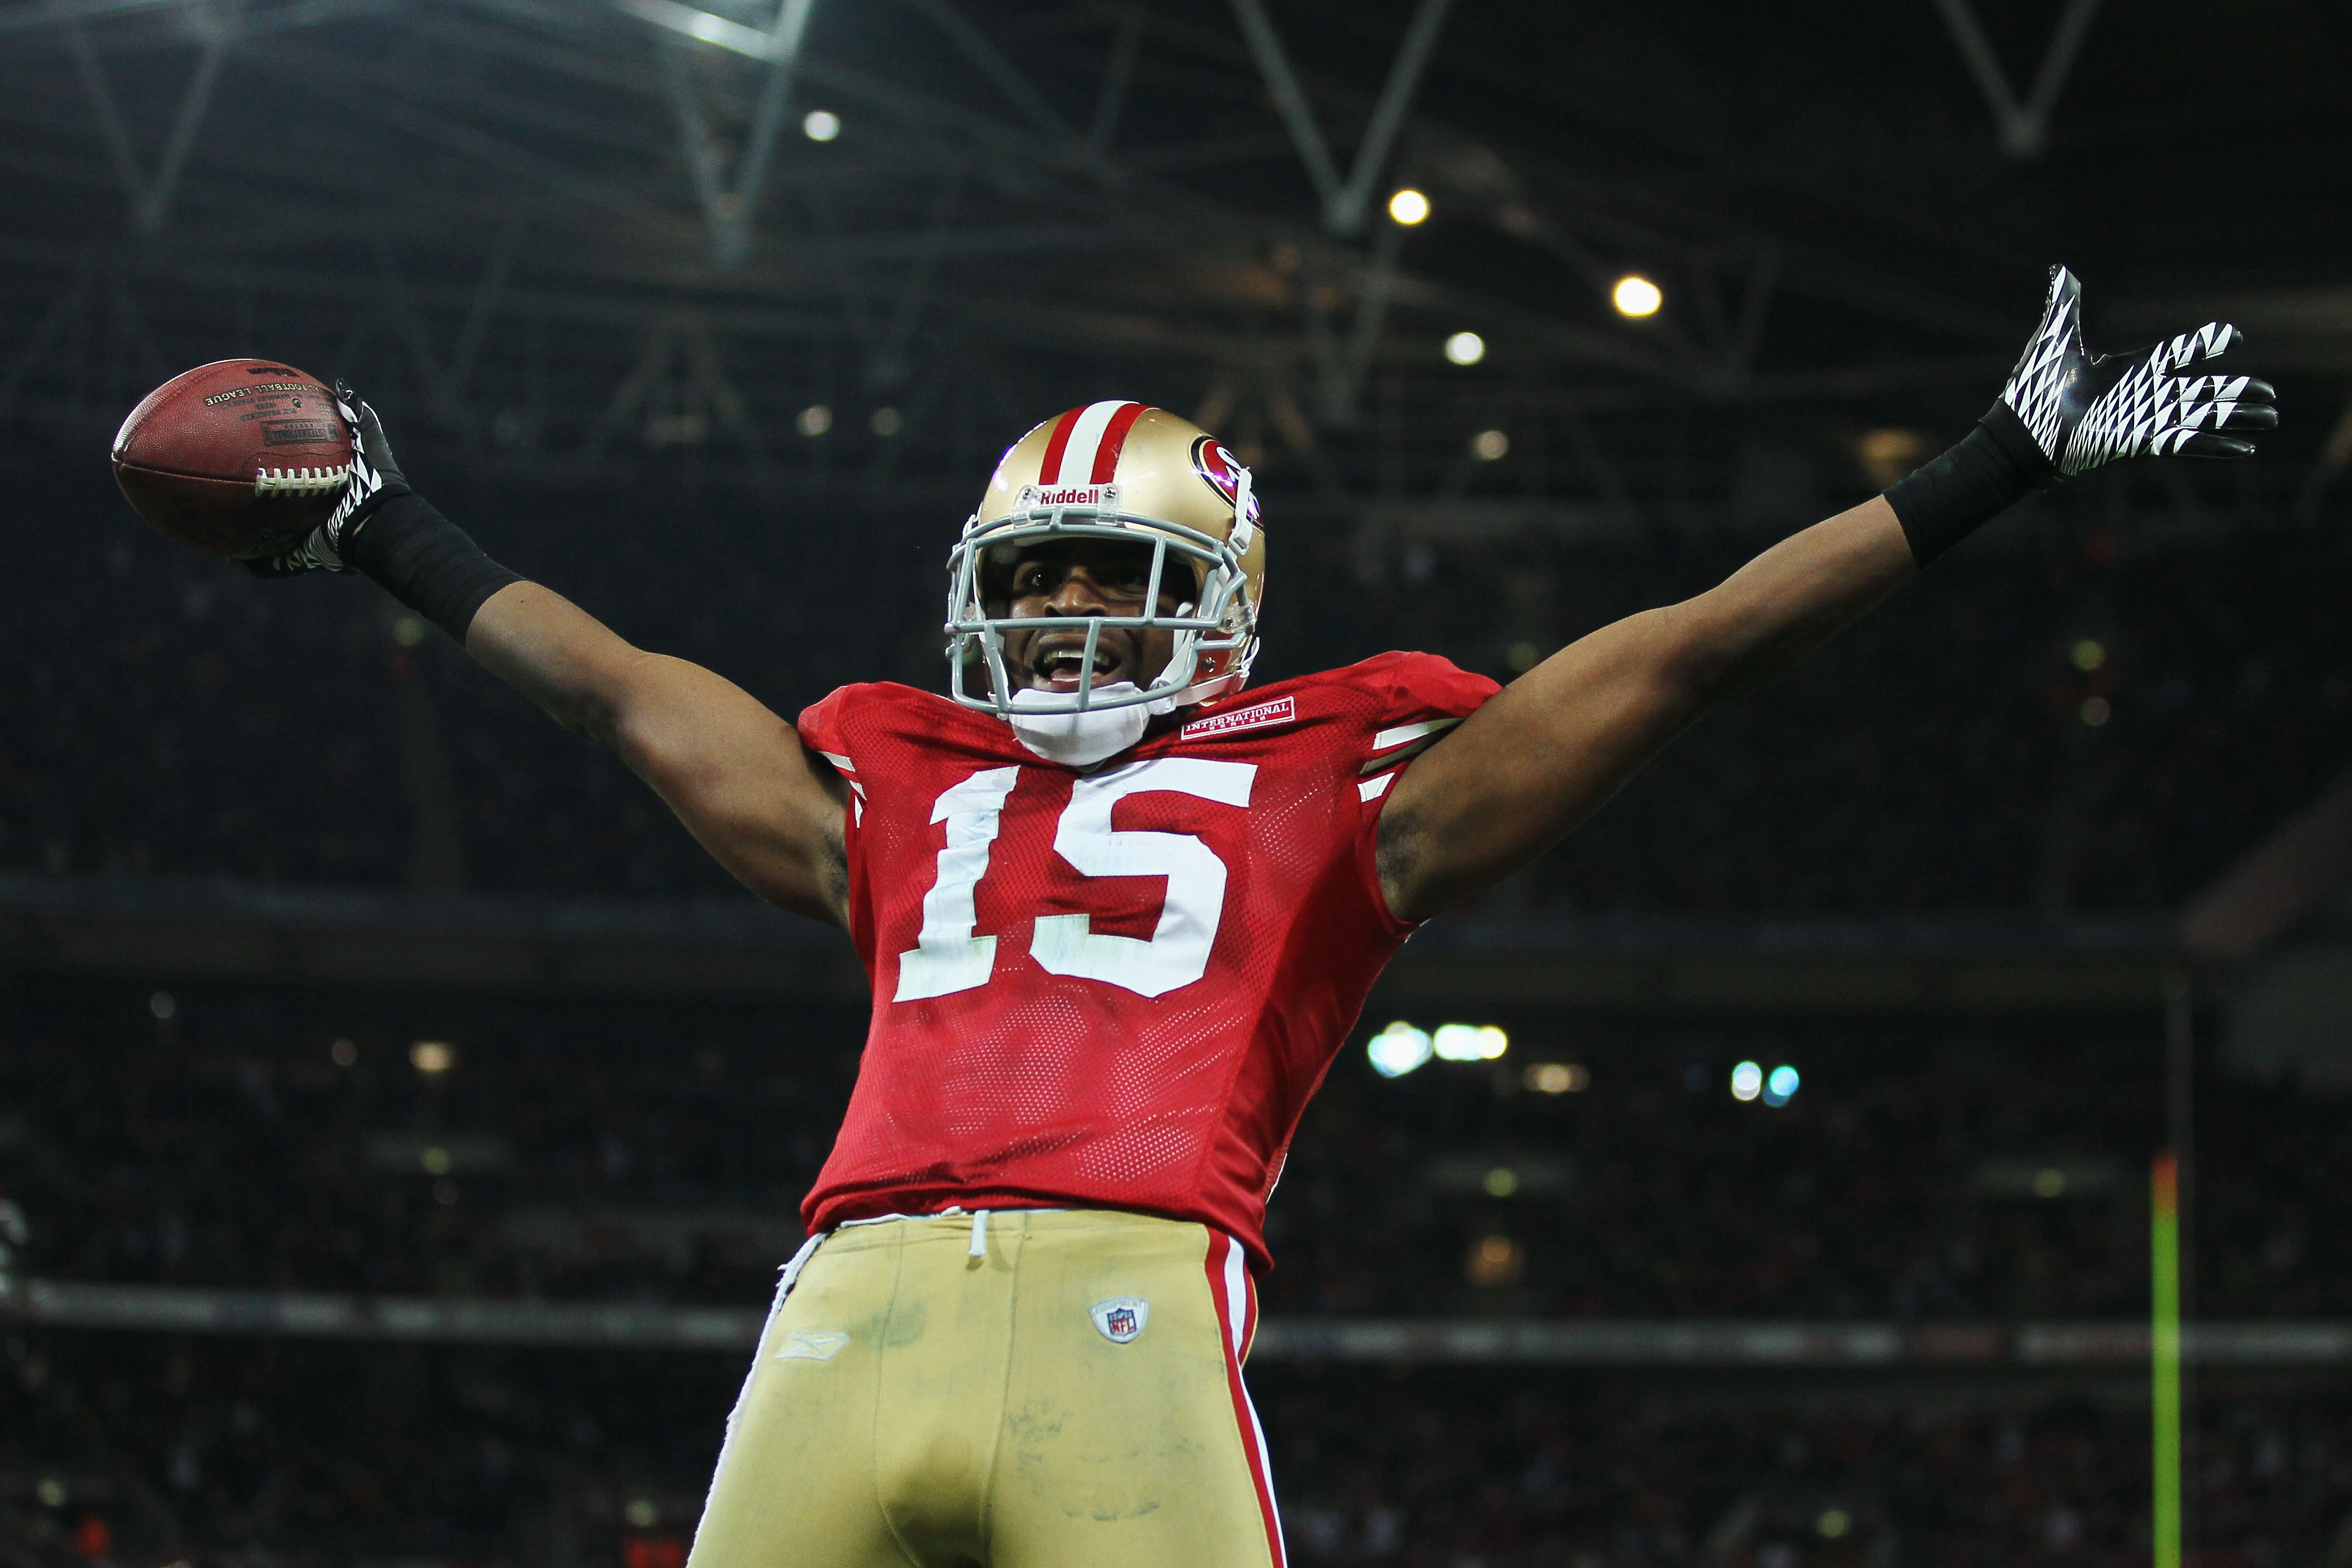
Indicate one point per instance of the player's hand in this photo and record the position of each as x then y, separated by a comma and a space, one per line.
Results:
2084, 410
376, 480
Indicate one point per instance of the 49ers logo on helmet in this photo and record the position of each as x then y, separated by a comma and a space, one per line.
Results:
1223, 471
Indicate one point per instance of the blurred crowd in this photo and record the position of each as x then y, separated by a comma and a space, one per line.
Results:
1471, 1468
152, 1448
610, 1150
581, 1150
2084, 711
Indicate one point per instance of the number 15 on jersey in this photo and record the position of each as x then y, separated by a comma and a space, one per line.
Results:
950, 956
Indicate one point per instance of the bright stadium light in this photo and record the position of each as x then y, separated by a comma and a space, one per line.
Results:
1465, 348
821, 125
1469, 1042
1408, 206
1398, 1049
1636, 296
1747, 1081
1782, 1087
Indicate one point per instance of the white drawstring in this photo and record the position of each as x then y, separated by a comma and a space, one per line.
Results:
978, 1247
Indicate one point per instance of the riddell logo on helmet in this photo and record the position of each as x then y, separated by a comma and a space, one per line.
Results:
1070, 495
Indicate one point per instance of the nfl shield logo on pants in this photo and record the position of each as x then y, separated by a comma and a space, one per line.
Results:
1122, 1318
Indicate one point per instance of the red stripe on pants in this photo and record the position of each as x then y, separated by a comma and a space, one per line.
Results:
1222, 1252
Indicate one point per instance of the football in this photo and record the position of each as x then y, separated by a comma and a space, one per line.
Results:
238, 457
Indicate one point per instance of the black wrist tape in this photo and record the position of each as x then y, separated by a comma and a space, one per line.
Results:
427, 562
1948, 498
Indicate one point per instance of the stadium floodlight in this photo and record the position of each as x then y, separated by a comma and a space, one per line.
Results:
1782, 1086
1636, 296
1465, 348
1408, 206
1747, 1081
1470, 1042
1398, 1049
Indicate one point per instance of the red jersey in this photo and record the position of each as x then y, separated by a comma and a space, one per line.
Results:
1112, 987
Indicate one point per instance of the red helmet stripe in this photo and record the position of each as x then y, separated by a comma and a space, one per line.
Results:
1050, 471
1114, 438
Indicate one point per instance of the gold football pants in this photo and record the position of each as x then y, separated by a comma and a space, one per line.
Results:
1055, 1388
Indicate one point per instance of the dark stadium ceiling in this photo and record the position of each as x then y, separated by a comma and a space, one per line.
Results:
588, 232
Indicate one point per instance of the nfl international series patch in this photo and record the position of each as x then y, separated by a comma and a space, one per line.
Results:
813, 1345
1122, 1318
1281, 711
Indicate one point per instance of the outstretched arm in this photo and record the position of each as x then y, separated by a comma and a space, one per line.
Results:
735, 773
1550, 750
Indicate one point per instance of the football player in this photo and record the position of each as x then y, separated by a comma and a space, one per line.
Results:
1119, 911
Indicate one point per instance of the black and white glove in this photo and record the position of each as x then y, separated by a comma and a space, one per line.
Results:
2084, 410
2066, 411
376, 478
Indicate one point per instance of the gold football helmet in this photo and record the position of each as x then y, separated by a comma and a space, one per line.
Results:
1116, 470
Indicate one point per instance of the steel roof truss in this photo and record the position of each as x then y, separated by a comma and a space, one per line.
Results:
151, 195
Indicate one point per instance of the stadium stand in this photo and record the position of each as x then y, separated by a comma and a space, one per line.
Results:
604, 1149
151, 1447
166, 726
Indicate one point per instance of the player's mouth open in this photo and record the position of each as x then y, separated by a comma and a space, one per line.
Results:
1058, 660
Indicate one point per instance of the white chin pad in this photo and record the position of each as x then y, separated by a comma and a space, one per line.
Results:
1079, 739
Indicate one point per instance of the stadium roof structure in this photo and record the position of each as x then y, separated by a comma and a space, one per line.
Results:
584, 235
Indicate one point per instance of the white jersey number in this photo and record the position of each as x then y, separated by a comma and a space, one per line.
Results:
948, 957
